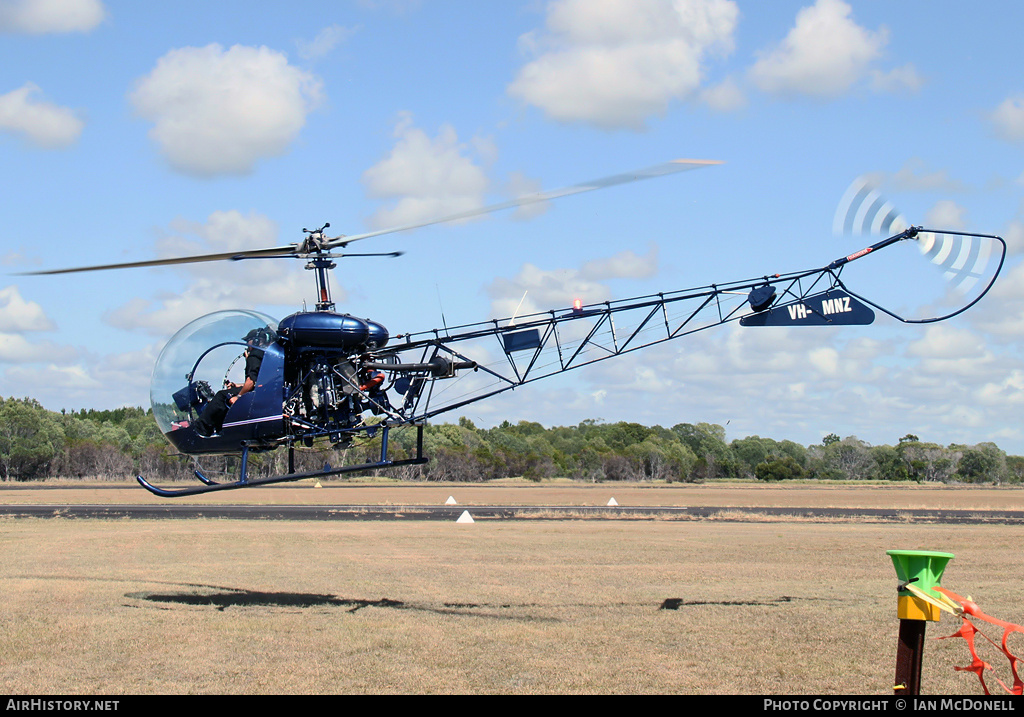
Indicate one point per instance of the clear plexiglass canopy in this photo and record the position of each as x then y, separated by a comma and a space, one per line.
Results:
216, 341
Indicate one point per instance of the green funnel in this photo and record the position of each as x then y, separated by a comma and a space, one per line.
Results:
924, 569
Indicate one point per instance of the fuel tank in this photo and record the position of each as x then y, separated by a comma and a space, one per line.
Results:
328, 329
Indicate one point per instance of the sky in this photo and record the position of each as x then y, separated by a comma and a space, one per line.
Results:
131, 131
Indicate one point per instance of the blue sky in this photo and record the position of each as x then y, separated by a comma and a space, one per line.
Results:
130, 131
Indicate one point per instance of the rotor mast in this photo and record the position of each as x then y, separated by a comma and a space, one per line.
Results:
320, 263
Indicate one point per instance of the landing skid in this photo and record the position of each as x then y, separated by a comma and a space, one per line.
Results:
210, 486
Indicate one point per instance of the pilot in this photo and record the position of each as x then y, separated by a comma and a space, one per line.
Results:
370, 382
212, 419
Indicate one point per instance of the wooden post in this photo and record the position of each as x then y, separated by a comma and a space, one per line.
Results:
909, 654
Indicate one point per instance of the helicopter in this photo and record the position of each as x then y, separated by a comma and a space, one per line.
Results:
320, 375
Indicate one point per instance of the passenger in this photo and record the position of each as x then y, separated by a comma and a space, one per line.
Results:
211, 421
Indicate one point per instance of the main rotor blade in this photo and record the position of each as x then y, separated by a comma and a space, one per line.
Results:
224, 256
658, 170
293, 250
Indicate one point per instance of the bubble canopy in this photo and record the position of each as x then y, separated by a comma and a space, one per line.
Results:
206, 349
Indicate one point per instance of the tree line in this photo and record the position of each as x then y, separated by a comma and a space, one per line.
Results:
37, 444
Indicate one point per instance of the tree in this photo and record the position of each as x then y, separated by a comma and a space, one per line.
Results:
707, 442
795, 451
1015, 469
97, 449
751, 451
622, 435
779, 468
982, 463
928, 461
30, 438
889, 464
850, 458
649, 461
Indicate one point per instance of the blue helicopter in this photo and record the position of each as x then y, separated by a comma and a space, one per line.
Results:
324, 376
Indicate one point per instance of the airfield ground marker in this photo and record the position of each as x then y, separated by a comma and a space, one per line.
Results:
921, 599
921, 569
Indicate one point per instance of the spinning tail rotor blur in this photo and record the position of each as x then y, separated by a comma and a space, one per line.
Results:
968, 263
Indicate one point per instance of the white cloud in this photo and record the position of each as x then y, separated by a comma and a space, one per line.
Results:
947, 343
61, 378
1014, 236
915, 176
17, 315
215, 286
899, 80
1001, 314
779, 382
42, 123
36, 17
14, 348
64, 379
324, 42
219, 111
1005, 388
946, 214
32, 368
130, 372
802, 384
616, 63
534, 289
547, 289
626, 264
824, 54
519, 185
429, 178
724, 97
1008, 119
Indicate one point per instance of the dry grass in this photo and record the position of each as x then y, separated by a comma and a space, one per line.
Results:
559, 492
208, 606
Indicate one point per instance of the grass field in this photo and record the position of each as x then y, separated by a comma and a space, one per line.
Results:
587, 606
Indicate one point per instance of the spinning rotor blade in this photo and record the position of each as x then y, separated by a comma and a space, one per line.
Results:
303, 249
658, 170
963, 258
225, 256
863, 210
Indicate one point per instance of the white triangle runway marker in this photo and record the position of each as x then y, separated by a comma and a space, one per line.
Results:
465, 518
613, 502
450, 501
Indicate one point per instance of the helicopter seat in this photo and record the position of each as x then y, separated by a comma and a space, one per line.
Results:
196, 395
261, 410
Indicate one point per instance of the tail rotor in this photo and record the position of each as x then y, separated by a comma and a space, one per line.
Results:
864, 211
964, 259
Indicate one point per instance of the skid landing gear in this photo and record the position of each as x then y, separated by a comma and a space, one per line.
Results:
210, 486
